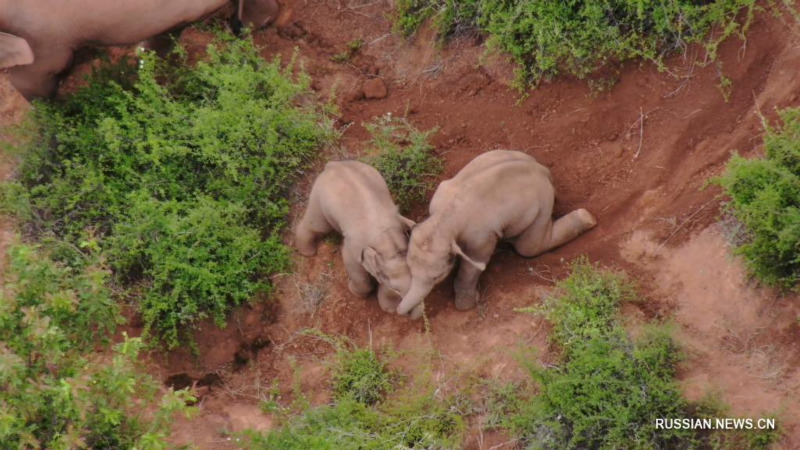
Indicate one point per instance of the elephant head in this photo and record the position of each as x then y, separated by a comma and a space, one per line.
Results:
431, 257
390, 267
255, 13
391, 271
14, 51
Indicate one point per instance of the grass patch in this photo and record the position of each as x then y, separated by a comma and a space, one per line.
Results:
178, 174
56, 391
608, 389
360, 375
765, 199
579, 37
350, 425
363, 418
405, 159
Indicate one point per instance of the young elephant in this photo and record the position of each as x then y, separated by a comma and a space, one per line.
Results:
499, 195
353, 199
38, 37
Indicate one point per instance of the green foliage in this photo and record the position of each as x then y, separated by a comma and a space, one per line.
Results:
607, 395
711, 407
53, 394
503, 403
608, 390
362, 417
585, 304
765, 198
350, 425
352, 48
579, 36
47, 306
198, 258
179, 174
404, 158
360, 375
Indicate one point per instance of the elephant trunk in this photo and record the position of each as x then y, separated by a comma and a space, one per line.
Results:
416, 294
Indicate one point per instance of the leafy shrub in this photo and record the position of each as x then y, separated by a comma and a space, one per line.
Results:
179, 174
413, 422
608, 390
578, 36
404, 158
765, 198
586, 303
607, 395
363, 416
53, 394
360, 375
711, 407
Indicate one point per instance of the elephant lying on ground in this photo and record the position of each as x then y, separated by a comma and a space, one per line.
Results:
38, 37
499, 195
353, 199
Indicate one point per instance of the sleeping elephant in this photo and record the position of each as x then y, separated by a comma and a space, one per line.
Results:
38, 37
499, 195
352, 198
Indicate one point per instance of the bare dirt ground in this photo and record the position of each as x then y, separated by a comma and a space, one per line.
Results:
638, 156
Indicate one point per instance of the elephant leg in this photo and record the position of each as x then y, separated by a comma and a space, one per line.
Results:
545, 234
466, 283
387, 299
361, 282
311, 228
163, 43
40, 79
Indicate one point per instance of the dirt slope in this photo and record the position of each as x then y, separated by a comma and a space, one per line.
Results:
637, 156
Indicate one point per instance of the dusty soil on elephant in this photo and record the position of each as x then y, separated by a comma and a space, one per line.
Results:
638, 156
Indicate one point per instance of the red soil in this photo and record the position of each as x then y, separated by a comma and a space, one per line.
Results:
637, 156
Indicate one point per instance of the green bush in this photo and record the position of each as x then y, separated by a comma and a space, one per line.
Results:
607, 394
56, 392
368, 412
765, 198
413, 422
585, 304
608, 389
578, 36
404, 158
179, 174
360, 375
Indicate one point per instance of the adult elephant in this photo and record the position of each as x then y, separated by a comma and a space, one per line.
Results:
38, 37
500, 194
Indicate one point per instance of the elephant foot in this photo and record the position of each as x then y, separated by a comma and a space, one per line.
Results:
587, 219
466, 301
388, 303
417, 312
307, 251
359, 290
306, 246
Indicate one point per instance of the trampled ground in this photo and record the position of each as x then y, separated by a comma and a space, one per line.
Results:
638, 156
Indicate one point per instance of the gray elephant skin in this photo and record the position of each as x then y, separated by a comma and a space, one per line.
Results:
38, 37
352, 198
500, 194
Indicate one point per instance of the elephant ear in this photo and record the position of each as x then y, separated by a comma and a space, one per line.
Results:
407, 222
14, 51
258, 13
457, 250
373, 262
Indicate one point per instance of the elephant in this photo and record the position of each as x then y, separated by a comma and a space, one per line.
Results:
352, 198
38, 37
501, 194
